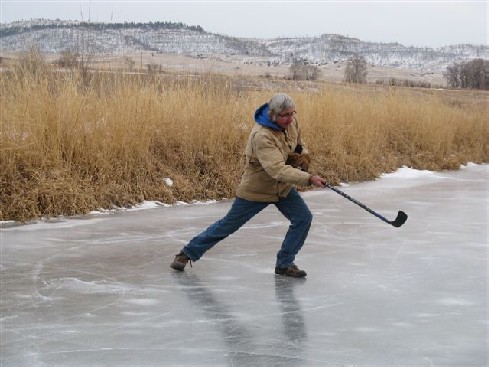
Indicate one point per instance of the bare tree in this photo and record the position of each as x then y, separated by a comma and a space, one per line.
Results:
356, 70
453, 76
302, 70
471, 74
129, 62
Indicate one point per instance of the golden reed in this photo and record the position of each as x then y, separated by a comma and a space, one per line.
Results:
73, 141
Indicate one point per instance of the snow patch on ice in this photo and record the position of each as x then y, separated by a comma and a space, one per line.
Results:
147, 205
151, 205
469, 164
406, 172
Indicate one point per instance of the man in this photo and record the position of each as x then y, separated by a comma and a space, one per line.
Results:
276, 160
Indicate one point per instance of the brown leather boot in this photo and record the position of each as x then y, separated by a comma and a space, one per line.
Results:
180, 261
291, 271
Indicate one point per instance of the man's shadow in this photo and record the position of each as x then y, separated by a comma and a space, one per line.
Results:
238, 337
234, 333
292, 314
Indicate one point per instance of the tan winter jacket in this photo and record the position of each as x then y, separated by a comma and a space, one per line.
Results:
266, 177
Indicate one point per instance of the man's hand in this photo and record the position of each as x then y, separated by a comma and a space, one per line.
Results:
300, 161
317, 181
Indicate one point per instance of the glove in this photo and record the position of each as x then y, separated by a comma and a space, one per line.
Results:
300, 161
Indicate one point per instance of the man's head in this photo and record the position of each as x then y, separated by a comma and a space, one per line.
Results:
281, 109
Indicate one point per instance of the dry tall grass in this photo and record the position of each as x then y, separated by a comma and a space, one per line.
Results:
76, 141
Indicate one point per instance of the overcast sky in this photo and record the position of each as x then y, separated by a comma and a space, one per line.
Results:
411, 23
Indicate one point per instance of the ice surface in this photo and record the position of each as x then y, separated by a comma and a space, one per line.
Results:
100, 291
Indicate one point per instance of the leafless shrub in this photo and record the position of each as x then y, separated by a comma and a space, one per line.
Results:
154, 68
302, 70
394, 82
69, 59
356, 70
129, 62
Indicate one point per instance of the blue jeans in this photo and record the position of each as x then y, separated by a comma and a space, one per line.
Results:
292, 207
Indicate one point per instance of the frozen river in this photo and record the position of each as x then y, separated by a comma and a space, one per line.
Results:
100, 292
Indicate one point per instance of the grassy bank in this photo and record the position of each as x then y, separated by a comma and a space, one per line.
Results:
75, 141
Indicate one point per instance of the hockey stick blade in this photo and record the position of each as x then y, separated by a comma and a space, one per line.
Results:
400, 219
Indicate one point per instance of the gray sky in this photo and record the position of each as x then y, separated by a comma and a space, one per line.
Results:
417, 23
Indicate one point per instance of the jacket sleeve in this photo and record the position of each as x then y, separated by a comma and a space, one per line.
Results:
273, 162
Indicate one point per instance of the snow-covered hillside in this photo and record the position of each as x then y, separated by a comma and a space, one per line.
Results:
55, 36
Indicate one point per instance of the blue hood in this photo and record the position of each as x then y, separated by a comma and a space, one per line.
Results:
261, 117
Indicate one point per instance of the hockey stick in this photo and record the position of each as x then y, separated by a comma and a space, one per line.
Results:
399, 221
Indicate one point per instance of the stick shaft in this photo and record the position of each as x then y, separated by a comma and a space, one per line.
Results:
363, 206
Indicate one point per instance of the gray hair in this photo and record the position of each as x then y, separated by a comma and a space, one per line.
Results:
280, 102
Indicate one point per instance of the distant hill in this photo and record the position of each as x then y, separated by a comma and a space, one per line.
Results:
55, 36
